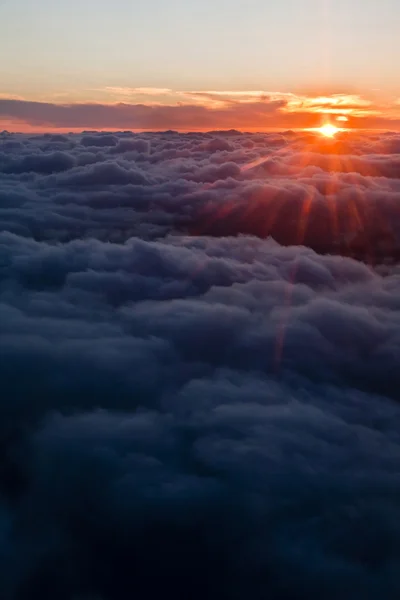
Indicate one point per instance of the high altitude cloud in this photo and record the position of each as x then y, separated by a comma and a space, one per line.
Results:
189, 407
153, 109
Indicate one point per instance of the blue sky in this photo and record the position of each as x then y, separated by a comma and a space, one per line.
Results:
49, 47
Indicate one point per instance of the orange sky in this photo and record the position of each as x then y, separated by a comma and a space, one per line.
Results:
114, 108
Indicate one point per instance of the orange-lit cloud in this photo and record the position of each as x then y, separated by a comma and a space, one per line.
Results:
335, 104
162, 108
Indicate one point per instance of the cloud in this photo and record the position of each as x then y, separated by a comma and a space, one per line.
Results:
132, 116
199, 381
44, 163
146, 91
99, 140
341, 104
200, 110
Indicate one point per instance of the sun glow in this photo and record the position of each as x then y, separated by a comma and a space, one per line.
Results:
328, 130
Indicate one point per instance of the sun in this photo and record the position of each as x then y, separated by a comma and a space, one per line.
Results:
328, 130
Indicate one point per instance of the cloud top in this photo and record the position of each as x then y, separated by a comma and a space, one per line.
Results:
199, 366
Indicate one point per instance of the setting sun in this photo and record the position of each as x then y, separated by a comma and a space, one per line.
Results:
328, 130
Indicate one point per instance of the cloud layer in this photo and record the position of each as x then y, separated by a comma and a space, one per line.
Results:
158, 109
199, 364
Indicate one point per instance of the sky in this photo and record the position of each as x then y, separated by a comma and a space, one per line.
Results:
157, 52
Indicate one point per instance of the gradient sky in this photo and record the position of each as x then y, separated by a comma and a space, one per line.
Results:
77, 50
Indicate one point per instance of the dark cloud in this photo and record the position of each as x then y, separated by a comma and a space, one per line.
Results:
201, 111
44, 163
199, 384
142, 116
99, 140
135, 145
104, 174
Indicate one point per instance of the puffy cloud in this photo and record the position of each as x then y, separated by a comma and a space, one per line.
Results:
199, 384
103, 174
100, 141
44, 163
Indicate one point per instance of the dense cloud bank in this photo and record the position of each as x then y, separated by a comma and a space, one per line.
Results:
199, 381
